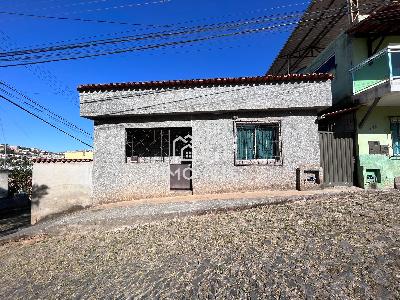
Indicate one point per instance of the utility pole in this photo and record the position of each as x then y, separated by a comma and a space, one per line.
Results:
354, 11
5, 156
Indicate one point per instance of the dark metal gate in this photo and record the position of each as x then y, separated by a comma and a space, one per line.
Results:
337, 158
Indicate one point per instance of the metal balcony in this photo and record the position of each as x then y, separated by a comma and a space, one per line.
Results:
379, 75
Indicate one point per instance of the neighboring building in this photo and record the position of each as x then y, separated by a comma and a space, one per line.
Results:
78, 155
203, 136
3, 183
364, 57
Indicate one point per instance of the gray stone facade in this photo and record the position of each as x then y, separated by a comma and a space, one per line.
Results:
212, 119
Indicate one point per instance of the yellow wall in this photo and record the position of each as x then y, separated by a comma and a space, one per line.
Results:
377, 128
79, 155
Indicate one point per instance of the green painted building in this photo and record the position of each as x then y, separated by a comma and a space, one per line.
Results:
364, 57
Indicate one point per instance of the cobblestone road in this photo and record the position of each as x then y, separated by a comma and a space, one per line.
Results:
341, 247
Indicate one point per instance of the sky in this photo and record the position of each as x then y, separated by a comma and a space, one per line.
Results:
54, 84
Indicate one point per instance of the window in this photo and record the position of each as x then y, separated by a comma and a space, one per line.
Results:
395, 130
158, 144
258, 144
328, 67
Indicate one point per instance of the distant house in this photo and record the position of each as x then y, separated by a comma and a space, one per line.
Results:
78, 155
203, 136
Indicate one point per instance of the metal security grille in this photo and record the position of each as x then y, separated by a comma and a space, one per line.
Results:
258, 143
337, 158
157, 144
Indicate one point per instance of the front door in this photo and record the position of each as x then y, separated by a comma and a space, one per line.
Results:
181, 159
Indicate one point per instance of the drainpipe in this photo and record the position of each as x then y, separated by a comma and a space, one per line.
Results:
5, 156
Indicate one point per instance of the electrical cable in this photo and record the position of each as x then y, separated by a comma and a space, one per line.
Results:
146, 47
61, 119
43, 120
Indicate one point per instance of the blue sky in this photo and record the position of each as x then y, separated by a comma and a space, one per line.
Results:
54, 84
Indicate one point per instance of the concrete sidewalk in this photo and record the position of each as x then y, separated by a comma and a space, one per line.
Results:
127, 214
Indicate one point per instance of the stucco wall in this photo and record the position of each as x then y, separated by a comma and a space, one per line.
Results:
213, 155
3, 184
60, 187
377, 128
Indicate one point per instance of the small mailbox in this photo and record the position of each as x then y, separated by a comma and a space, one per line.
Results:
309, 177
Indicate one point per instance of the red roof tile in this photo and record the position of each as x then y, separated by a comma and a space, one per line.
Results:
59, 160
204, 82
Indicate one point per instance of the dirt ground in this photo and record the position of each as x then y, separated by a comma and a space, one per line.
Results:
343, 246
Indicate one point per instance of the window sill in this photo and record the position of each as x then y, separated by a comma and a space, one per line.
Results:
259, 162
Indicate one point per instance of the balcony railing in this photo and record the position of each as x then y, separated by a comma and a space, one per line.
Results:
382, 67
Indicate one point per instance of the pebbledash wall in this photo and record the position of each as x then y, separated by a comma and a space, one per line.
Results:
211, 110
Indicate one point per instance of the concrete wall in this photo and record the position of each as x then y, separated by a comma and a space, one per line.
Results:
342, 84
377, 128
3, 184
60, 187
290, 95
213, 145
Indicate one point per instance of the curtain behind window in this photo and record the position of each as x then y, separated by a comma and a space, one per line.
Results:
265, 142
245, 142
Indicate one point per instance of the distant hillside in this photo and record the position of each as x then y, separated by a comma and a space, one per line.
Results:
17, 155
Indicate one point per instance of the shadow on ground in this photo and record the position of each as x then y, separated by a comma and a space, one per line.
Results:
12, 221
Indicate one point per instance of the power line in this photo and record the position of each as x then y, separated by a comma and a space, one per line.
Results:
72, 5
45, 75
154, 46
119, 6
22, 14
47, 111
38, 110
162, 34
176, 101
217, 26
43, 120
92, 53
130, 95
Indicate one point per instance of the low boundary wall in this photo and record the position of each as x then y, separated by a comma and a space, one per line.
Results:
60, 186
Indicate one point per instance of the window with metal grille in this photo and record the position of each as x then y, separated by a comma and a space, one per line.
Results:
258, 143
395, 130
158, 144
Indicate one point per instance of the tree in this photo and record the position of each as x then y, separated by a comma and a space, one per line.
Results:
20, 178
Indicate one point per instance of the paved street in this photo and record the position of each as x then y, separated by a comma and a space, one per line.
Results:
343, 246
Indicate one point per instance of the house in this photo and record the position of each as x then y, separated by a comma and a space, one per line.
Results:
78, 155
362, 51
203, 136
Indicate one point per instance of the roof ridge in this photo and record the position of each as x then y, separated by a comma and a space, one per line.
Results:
55, 160
206, 81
